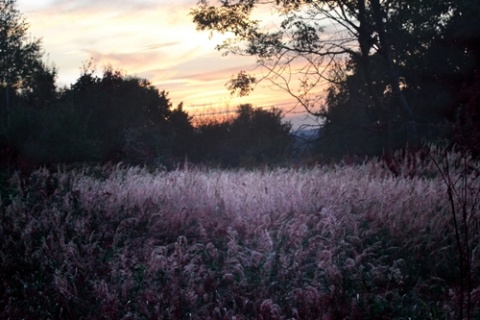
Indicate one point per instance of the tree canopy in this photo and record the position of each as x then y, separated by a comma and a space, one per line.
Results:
252, 137
389, 46
19, 55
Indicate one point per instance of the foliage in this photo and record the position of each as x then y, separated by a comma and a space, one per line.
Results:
398, 72
288, 43
20, 58
18, 54
57, 133
252, 137
109, 118
117, 118
438, 80
112, 117
260, 134
463, 38
115, 104
39, 90
324, 243
353, 125
183, 132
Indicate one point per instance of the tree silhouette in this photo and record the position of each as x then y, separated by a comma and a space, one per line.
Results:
462, 38
39, 89
182, 131
125, 116
259, 136
19, 56
252, 137
306, 38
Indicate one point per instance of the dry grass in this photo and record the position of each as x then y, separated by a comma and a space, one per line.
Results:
337, 242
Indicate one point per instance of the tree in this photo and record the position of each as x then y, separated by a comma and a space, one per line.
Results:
352, 124
462, 37
182, 130
126, 116
212, 142
39, 89
259, 136
19, 56
299, 45
129, 118
252, 137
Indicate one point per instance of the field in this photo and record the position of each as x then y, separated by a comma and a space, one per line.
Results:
328, 242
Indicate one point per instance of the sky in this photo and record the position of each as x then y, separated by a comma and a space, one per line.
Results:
152, 39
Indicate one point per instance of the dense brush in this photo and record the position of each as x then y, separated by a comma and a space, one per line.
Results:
339, 242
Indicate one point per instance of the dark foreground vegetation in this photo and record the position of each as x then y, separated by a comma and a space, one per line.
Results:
349, 242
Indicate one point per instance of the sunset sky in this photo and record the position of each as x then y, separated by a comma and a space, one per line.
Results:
152, 39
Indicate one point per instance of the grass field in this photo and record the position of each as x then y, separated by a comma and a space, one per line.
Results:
329, 242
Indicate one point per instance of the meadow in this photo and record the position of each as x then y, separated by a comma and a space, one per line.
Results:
327, 242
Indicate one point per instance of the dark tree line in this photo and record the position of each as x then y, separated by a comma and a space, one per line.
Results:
400, 73
113, 117
117, 118
252, 137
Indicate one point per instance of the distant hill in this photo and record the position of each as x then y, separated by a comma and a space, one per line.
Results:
304, 139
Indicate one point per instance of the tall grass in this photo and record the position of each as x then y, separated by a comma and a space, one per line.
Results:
337, 242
